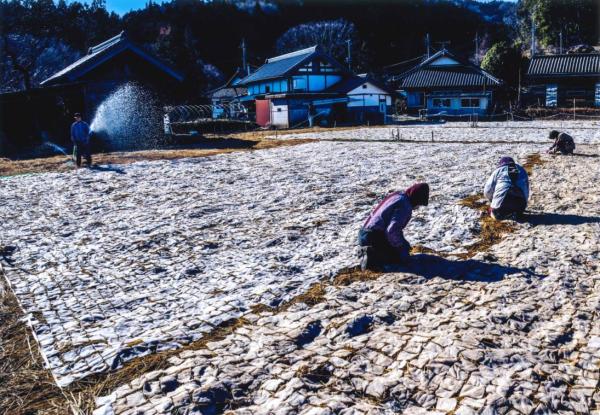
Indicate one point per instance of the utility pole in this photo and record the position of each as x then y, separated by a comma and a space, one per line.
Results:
349, 53
477, 47
560, 37
532, 34
519, 90
427, 45
245, 67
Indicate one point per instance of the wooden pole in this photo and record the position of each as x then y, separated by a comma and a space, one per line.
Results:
519, 90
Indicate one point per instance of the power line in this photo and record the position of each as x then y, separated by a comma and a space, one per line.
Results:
404, 62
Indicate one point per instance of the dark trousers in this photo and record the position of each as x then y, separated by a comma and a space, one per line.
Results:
82, 149
379, 250
511, 205
564, 148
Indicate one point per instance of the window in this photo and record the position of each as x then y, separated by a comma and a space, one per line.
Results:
299, 84
469, 103
267, 89
364, 86
551, 95
441, 103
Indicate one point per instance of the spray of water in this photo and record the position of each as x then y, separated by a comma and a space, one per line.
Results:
128, 118
47, 143
56, 147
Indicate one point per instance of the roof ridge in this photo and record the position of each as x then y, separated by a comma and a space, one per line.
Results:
436, 55
563, 55
115, 44
108, 42
305, 51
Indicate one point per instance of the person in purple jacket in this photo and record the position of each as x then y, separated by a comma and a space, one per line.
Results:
381, 237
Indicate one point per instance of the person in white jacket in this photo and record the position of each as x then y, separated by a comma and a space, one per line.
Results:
507, 189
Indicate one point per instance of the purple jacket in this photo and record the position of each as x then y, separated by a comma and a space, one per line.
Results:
391, 216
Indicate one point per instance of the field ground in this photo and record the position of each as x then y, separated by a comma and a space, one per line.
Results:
213, 146
229, 282
585, 132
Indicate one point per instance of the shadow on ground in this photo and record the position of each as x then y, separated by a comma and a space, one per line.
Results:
215, 143
536, 219
430, 266
110, 168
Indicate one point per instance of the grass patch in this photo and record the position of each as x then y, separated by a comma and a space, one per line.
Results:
491, 231
314, 295
26, 386
70, 346
531, 161
62, 163
349, 275
421, 249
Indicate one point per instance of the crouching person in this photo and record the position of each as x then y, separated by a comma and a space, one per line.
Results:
381, 239
507, 189
563, 143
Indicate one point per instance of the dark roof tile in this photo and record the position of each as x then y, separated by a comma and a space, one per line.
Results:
565, 65
462, 74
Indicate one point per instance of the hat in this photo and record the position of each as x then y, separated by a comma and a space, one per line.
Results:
418, 194
505, 160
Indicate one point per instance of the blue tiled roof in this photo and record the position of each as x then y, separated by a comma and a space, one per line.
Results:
565, 65
280, 65
99, 54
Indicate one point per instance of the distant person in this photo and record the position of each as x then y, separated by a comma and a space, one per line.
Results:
80, 136
507, 189
381, 238
563, 143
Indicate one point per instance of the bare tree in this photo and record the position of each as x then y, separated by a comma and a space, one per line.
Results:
331, 35
28, 60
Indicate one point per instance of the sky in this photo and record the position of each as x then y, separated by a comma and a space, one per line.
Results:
123, 6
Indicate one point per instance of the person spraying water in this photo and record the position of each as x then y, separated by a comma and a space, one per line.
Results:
80, 136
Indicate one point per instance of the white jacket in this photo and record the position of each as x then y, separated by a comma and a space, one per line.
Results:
499, 183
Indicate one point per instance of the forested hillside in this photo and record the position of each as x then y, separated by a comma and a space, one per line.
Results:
203, 39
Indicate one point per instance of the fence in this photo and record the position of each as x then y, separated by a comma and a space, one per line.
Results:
199, 119
424, 115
